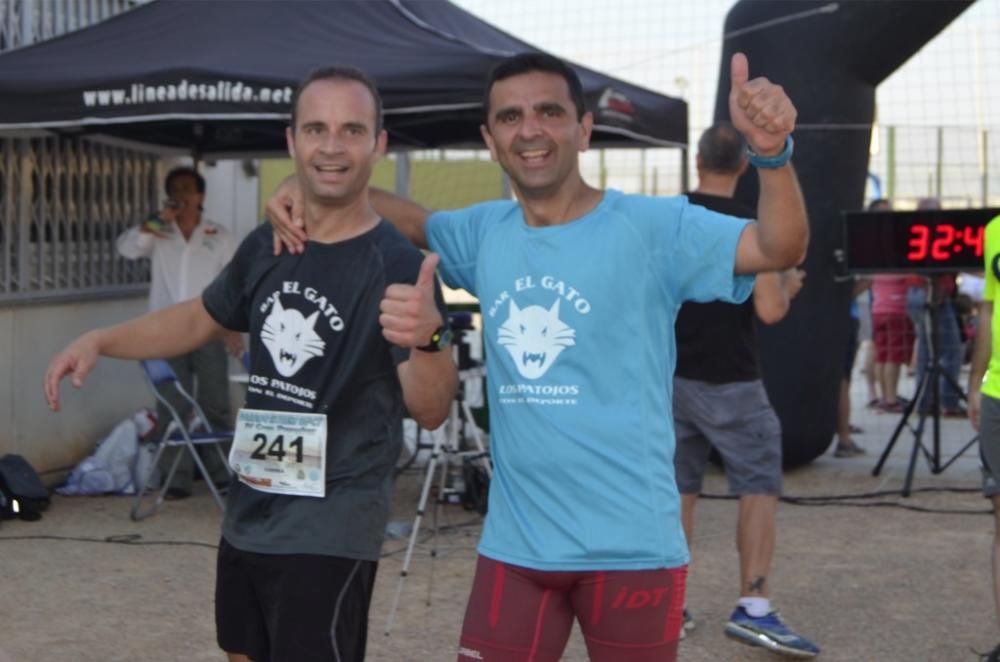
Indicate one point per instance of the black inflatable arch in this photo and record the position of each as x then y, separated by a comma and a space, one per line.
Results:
830, 57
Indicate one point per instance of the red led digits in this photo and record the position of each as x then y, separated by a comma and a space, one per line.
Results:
918, 243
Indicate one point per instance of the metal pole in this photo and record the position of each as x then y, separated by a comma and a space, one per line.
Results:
642, 171
984, 139
890, 163
24, 215
27, 22
939, 169
403, 174
685, 175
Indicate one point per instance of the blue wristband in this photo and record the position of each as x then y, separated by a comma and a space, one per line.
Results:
771, 162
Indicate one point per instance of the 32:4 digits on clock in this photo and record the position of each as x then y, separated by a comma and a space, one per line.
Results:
942, 241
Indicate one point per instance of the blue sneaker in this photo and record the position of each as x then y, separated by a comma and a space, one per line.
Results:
769, 632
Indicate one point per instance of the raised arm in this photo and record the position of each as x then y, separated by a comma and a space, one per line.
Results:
284, 212
764, 114
162, 334
773, 293
409, 318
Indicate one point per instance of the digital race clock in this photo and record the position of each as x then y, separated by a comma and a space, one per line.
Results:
916, 241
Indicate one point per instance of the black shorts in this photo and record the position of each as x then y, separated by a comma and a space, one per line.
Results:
292, 607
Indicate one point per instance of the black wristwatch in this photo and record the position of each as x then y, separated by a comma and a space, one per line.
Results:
440, 339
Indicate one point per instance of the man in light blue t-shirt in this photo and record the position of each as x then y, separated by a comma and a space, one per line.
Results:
579, 289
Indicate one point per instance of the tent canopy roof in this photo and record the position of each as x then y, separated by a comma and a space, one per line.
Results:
217, 77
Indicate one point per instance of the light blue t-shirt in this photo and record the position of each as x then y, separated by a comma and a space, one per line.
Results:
579, 334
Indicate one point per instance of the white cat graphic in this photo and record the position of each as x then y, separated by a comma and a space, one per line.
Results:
535, 336
290, 338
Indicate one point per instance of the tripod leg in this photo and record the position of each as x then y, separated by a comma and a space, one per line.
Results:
421, 505
921, 385
908, 482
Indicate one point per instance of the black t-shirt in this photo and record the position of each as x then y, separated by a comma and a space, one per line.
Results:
716, 341
316, 346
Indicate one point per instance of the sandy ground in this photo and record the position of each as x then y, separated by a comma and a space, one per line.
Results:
867, 583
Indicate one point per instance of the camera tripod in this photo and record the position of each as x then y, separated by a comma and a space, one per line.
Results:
448, 450
931, 378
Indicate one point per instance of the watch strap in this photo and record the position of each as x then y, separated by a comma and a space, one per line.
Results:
771, 162
440, 339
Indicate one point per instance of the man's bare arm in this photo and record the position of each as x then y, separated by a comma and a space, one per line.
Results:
773, 294
429, 384
764, 114
408, 217
409, 317
284, 210
162, 334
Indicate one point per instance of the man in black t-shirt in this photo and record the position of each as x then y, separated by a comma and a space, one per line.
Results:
344, 337
720, 402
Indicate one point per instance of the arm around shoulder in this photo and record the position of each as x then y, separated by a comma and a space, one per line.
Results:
408, 217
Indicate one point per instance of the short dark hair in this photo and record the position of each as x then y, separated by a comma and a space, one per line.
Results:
184, 171
525, 63
722, 148
339, 73
879, 203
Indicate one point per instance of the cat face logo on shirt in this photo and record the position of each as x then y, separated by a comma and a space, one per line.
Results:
535, 336
290, 338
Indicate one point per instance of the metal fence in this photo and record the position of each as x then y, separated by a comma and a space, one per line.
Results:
64, 201
24, 22
62, 204
958, 165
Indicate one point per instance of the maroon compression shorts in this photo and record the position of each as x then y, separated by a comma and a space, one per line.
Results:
517, 614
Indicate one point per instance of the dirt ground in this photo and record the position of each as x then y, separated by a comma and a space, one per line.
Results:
866, 583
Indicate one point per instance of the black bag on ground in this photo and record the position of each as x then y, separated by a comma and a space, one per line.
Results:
22, 493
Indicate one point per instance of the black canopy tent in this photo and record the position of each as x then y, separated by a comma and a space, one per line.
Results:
217, 77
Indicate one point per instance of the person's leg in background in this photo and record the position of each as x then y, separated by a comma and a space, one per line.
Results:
894, 340
845, 444
867, 347
916, 310
751, 447
950, 354
210, 365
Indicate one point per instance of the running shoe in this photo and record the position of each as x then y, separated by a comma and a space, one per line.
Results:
769, 632
848, 450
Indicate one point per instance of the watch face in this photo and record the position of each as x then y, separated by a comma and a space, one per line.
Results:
445, 339
916, 241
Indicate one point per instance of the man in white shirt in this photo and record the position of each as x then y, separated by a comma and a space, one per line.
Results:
187, 253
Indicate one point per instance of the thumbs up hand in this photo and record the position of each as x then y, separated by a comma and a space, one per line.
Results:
410, 315
759, 109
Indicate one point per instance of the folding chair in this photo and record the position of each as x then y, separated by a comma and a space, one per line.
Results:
176, 434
